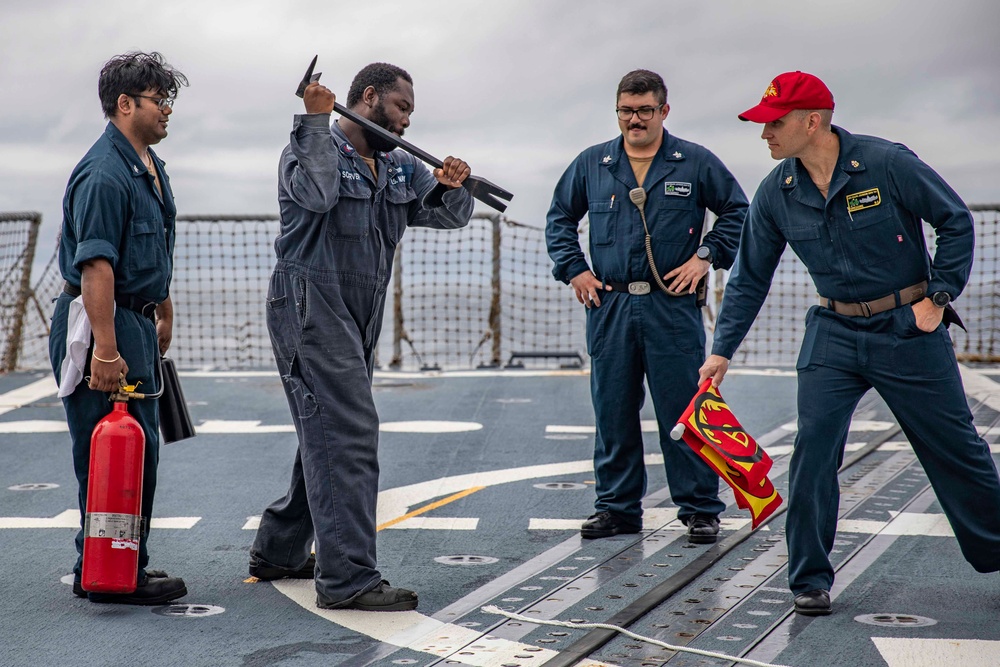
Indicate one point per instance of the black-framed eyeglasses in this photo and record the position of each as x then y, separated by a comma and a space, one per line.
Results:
164, 102
644, 113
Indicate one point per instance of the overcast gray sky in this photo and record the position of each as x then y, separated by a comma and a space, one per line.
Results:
517, 88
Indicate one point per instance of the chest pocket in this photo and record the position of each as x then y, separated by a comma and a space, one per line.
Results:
603, 217
147, 245
808, 243
672, 219
350, 219
877, 235
399, 197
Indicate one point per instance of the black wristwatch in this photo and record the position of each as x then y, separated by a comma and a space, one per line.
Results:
940, 299
705, 253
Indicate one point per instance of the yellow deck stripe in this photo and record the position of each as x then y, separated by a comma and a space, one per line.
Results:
428, 508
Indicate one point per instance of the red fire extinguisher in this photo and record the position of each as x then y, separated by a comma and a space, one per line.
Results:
113, 523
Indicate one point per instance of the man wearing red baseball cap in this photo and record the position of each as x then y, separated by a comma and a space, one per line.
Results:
851, 207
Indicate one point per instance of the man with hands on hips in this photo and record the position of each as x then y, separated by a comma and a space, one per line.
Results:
636, 331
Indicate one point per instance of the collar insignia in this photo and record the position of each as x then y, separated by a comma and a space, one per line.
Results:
788, 181
347, 150
855, 164
135, 169
607, 159
677, 154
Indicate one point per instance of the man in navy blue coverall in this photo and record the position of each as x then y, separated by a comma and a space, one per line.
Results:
346, 198
116, 249
851, 206
634, 329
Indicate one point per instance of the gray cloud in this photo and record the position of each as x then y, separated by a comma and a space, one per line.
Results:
517, 88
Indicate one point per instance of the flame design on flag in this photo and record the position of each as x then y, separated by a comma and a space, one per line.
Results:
715, 435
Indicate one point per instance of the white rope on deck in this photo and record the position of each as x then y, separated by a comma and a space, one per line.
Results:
492, 609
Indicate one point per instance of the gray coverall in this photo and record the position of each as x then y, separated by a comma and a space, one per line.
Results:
339, 231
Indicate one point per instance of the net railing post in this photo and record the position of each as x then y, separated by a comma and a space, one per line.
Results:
9, 362
397, 308
495, 306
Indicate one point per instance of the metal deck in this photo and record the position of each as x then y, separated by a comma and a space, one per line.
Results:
485, 478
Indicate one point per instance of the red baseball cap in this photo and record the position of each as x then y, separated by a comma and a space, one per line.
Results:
789, 91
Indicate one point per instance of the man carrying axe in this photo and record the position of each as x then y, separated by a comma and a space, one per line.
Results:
345, 198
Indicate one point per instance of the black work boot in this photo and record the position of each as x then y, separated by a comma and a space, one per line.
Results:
814, 603
702, 529
381, 598
606, 524
150, 591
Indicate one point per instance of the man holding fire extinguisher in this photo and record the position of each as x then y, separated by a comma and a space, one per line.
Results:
114, 317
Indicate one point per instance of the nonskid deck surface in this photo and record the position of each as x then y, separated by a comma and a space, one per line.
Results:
485, 480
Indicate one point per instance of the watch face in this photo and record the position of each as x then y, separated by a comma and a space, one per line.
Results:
941, 299
704, 253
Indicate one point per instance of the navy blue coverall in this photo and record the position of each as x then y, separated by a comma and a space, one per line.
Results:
863, 242
339, 230
655, 336
112, 210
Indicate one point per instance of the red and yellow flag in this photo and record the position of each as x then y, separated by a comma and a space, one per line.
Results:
713, 432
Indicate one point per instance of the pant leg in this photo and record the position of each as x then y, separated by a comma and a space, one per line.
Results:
617, 393
919, 379
673, 349
318, 348
136, 338
829, 388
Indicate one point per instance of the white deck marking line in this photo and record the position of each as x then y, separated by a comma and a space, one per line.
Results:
413, 630
71, 519
647, 426
429, 427
435, 523
901, 523
35, 426
925, 652
29, 393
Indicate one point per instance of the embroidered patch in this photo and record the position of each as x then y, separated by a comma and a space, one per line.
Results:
677, 189
347, 150
859, 201
772, 91
350, 175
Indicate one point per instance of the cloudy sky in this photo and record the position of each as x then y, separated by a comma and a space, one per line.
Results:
515, 87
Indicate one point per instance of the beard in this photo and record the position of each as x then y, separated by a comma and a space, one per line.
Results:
380, 118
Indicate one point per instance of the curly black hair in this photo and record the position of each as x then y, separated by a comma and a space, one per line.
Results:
134, 72
382, 76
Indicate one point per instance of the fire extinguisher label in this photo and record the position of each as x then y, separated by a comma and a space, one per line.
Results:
117, 527
125, 544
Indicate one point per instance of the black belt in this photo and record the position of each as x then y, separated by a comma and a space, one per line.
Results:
637, 287
641, 287
145, 308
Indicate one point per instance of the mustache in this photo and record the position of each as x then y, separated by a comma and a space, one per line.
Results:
636, 126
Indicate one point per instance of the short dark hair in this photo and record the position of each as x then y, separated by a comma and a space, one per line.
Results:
642, 81
382, 76
134, 72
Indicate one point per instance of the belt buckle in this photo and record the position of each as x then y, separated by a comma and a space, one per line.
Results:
638, 288
866, 309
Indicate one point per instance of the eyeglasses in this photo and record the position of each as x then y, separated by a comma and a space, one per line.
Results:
164, 102
644, 113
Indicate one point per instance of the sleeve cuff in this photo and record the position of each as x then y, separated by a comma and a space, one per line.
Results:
95, 249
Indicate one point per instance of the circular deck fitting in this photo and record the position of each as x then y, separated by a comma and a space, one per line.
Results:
466, 559
430, 427
896, 620
404, 661
560, 486
188, 610
38, 486
470, 624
